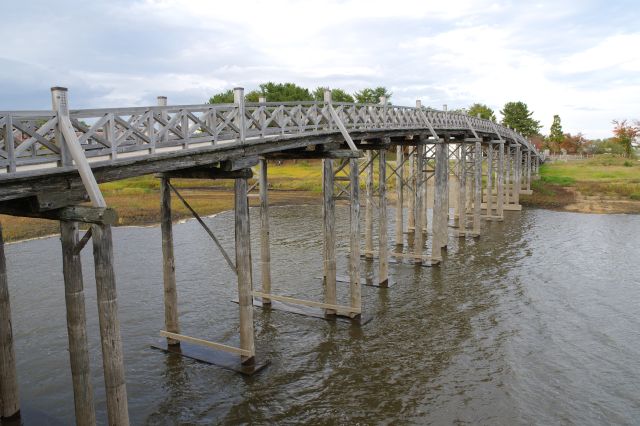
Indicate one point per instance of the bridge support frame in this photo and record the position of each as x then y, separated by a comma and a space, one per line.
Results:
9, 395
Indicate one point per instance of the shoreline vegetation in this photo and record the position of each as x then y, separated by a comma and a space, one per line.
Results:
603, 184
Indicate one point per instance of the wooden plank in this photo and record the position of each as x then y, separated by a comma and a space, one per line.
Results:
310, 303
209, 173
85, 214
207, 343
333, 154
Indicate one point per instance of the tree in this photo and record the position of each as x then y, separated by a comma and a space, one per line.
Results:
225, 97
484, 111
337, 95
573, 144
284, 92
516, 115
372, 95
555, 134
625, 134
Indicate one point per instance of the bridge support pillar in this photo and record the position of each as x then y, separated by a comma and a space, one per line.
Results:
490, 180
411, 204
168, 262
265, 250
418, 242
508, 176
477, 188
383, 237
528, 170
399, 195
77, 324
439, 204
112, 358
329, 219
368, 212
9, 397
462, 190
354, 235
517, 174
500, 181
243, 267
422, 206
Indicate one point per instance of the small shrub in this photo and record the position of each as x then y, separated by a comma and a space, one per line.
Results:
635, 196
628, 164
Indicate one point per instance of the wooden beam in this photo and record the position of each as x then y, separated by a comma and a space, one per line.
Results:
201, 342
311, 303
85, 214
303, 155
239, 163
208, 173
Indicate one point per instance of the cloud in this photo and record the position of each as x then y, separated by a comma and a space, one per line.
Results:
573, 58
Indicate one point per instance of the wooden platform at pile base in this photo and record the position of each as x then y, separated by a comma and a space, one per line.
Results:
211, 356
369, 281
506, 207
309, 311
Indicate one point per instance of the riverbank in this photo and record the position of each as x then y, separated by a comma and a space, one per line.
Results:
603, 184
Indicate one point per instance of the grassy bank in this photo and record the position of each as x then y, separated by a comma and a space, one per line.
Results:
603, 184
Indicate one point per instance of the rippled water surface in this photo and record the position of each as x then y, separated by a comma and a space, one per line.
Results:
535, 323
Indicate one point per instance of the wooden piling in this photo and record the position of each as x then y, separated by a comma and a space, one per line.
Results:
171, 323
77, 325
399, 195
354, 236
490, 179
462, 190
9, 396
421, 208
112, 358
368, 212
500, 180
528, 170
517, 175
477, 187
329, 220
418, 242
265, 250
411, 204
439, 221
243, 268
383, 237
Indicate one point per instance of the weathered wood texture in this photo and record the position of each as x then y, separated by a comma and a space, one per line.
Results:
411, 204
85, 214
77, 325
168, 262
354, 236
399, 170
329, 235
383, 237
490, 179
243, 266
265, 249
462, 189
500, 180
112, 358
9, 397
477, 187
368, 212
418, 242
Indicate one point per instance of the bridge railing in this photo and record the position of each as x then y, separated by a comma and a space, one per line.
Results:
29, 139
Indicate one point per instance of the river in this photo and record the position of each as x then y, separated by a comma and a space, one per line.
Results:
537, 322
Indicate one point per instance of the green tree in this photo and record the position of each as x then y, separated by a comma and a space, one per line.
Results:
337, 95
556, 136
517, 115
625, 134
284, 92
372, 95
225, 97
484, 111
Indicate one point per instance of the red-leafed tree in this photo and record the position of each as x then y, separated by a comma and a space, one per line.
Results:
625, 134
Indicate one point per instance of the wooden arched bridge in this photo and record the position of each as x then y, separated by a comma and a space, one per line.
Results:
462, 168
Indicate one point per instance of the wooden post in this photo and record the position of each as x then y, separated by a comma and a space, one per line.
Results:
411, 206
354, 234
168, 263
329, 221
368, 212
445, 205
439, 221
77, 325
507, 166
243, 267
238, 99
500, 180
421, 207
383, 238
490, 179
528, 170
9, 397
162, 102
418, 242
265, 250
477, 187
400, 195
112, 358
462, 191
517, 175
59, 103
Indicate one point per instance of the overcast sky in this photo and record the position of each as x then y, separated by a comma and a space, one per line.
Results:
579, 59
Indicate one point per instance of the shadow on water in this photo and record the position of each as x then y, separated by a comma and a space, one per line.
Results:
502, 332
